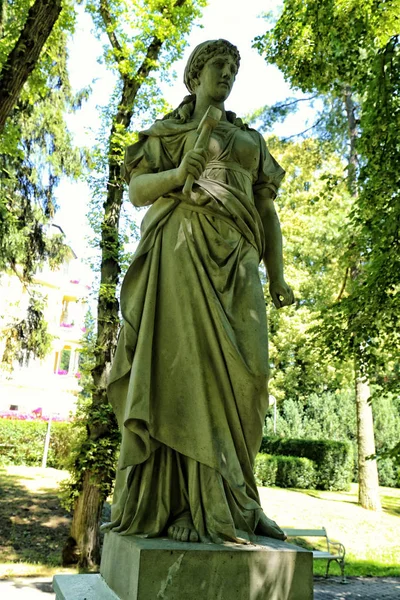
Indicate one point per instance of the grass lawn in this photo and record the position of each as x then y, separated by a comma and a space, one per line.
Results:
33, 526
371, 539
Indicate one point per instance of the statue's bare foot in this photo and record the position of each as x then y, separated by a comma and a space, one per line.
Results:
269, 528
182, 530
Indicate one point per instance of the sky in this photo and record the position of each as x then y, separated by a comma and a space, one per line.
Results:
257, 84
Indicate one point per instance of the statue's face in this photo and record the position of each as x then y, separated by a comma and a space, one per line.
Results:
217, 77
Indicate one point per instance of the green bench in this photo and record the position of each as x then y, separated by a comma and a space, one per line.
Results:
335, 550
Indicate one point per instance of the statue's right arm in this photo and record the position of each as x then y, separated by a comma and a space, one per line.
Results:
146, 188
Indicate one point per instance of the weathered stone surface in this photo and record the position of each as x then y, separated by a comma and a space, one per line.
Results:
188, 382
163, 569
82, 587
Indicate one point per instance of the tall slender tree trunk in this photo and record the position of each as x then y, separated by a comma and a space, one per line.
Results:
23, 58
368, 489
368, 486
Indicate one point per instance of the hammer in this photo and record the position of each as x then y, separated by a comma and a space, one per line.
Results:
207, 124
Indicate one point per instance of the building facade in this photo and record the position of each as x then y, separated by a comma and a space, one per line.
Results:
51, 384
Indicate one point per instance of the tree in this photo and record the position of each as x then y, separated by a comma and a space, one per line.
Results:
350, 51
36, 150
143, 38
23, 57
313, 206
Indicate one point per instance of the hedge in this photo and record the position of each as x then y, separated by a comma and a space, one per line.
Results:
333, 460
284, 471
22, 443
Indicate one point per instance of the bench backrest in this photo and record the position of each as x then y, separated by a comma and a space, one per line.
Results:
305, 532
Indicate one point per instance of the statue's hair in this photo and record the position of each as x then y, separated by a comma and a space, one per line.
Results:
200, 55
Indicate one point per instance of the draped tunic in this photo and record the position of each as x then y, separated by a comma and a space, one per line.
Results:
189, 379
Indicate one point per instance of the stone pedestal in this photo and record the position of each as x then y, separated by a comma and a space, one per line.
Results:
160, 569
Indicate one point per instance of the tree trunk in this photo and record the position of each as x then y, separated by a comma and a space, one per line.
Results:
368, 490
83, 544
23, 58
81, 547
368, 487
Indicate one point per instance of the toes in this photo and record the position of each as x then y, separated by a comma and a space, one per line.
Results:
170, 531
193, 536
182, 534
185, 534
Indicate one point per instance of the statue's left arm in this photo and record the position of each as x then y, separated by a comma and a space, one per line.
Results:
281, 293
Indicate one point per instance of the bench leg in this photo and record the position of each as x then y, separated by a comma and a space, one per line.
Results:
327, 568
341, 564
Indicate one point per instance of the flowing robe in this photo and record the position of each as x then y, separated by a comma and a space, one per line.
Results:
189, 378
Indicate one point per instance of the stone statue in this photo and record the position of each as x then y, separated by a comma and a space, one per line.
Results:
189, 379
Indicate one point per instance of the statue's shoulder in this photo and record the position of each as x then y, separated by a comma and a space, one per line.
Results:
167, 127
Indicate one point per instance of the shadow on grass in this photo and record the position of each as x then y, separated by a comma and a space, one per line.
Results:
315, 494
391, 505
33, 525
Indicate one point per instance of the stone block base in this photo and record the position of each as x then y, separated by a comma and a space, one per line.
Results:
82, 587
162, 569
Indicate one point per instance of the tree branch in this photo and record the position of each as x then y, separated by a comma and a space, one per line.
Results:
24, 56
295, 101
106, 16
346, 275
302, 132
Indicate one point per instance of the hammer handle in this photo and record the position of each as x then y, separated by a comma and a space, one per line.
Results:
201, 142
187, 188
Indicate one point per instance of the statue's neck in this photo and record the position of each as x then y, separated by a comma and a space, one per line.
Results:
202, 105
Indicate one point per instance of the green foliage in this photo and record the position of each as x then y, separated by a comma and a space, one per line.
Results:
96, 435
265, 469
295, 472
334, 460
22, 443
386, 411
284, 471
29, 337
313, 204
347, 50
331, 415
36, 150
321, 45
332, 49
36, 147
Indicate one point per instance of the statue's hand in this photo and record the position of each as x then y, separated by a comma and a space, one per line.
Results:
281, 293
193, 163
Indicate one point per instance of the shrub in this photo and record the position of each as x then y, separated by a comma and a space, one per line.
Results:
22, 443
265, 468
333, 460
295, 472
284, 471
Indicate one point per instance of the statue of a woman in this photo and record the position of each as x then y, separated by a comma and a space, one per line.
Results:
189, 379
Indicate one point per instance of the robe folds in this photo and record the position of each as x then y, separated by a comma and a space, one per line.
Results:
189, 379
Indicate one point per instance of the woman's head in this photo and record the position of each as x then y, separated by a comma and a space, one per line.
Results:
202, 54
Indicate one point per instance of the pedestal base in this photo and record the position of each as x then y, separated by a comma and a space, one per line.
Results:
82, 587
162, 569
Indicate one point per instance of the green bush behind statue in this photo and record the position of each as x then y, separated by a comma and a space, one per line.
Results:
332, 460
22, 443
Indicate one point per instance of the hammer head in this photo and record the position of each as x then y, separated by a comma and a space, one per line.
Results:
211, 118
